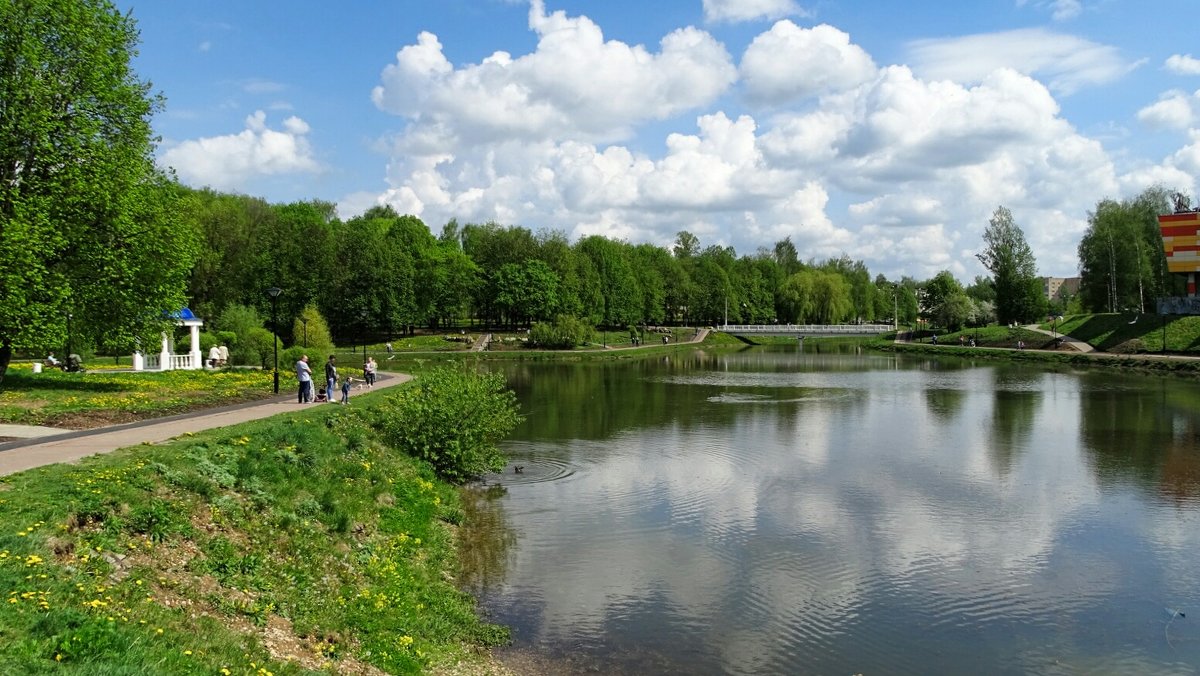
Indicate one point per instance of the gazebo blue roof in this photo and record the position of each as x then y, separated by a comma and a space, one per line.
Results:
182, 313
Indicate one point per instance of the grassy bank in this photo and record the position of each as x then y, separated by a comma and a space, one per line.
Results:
98, 398
1135, 333
292, 545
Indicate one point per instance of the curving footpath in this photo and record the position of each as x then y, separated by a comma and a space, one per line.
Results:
1074, 343
18, 456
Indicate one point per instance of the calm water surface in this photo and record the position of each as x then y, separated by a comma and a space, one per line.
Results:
779, 512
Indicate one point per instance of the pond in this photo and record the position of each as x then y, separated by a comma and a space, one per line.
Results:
788, 511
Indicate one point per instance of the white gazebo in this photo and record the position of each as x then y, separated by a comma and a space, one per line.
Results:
165, 360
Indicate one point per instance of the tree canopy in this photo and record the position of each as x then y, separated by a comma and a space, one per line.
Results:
89, 232
1014, 270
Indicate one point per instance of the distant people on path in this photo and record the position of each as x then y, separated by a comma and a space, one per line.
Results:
214, 356
331, 376
304, 375
53, 361
224, 356
346, 389
935, 339
369, 371
388, 345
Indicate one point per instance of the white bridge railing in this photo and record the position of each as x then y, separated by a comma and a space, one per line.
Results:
809, 329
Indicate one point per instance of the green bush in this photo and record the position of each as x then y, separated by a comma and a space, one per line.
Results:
452, 418
563, 334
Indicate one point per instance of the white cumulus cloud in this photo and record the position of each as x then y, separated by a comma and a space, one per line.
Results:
226, 162
575, 85
1183, 64
788, 63
1173, 110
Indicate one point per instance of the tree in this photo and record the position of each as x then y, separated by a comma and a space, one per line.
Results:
937, 291
88, 225
1121, 260
1014, 270
955, 311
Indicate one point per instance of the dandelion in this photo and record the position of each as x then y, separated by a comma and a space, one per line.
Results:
187, 652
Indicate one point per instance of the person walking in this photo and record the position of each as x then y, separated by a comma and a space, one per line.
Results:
304, 375
369, 371
331, 376
346, 389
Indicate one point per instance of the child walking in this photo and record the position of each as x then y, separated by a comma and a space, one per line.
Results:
346, 389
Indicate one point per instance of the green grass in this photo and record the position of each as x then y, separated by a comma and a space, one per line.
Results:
83, 400
1131, 333
292, 545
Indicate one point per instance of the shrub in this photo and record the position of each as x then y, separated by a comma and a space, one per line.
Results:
452, 418
563, 334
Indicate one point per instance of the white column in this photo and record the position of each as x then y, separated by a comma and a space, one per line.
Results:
164, 357
195, 343
139, 362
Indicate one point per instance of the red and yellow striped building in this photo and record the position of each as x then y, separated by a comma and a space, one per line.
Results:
1181, 240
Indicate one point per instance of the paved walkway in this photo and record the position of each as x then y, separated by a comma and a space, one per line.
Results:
1073, 342
18, 456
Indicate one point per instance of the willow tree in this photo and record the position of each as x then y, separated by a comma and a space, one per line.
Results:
88, 233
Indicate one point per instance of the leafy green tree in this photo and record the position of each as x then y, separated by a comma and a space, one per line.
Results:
687, 245
619, 290
311, 331
796, 297
786, 256
937, 290
527, 292
1122, 264
242, 321
955, 312
981, 289
652, 266
88, 226
832, 302
1008, 257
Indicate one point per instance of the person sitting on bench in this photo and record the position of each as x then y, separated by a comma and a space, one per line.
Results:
52, 361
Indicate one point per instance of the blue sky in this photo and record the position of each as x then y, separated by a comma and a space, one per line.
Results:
886, 130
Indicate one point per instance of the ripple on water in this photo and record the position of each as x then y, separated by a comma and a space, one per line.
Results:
532, 470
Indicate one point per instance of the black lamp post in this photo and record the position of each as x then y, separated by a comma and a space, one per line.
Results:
274, 292
364, 314
70, 347
305, 323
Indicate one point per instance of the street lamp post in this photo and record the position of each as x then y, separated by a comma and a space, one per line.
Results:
304, 321
364, 315
274, 292
70, 347
896, 306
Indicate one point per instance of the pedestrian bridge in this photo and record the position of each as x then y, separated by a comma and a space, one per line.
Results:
810, 330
